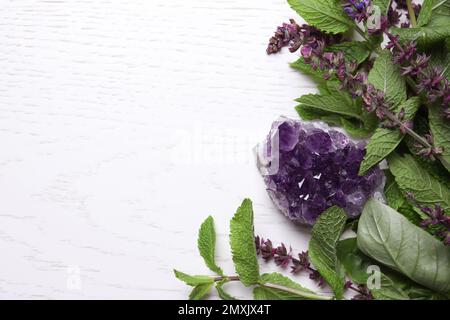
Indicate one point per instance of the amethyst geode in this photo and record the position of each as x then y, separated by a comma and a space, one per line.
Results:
308, 168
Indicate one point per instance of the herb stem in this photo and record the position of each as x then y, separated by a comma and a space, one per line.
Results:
416, 137
412, 15
362, 34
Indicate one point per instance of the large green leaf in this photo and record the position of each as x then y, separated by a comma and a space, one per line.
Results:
384, 140
388, 237
242, 241
441, 131
322, 248
411, 177
393, 286
386, 77
326, 15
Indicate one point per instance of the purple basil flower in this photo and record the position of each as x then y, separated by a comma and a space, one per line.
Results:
357, 9
295, 36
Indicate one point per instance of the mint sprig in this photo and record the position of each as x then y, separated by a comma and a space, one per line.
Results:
243, 248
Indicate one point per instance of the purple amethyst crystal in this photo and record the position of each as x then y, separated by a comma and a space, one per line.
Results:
308, 169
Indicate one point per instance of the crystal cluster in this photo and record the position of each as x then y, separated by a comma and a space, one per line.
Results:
308, 169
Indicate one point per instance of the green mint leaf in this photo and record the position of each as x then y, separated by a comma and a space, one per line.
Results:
397, 201
207, 244
336, 103
380, 145
356, 129
309, 114
425, 12
394, 196
322, 248
200, 291
353, 260
386, 76
383, 5
222, 293
389, 238
440, 130
430, 6
326, 15
267, 291
193, 280
437, 29
242, 241
384, 140
300, 65
411, 177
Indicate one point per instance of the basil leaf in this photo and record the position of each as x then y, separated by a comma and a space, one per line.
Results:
207, 244
326, 15
388, 237
242, 241
356, 265
393, 286
322, 248
411, 177
386, 77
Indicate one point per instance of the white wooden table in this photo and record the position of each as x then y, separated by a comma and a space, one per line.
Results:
123, 124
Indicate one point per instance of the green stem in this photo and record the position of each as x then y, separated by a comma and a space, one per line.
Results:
412, 15
391, 116
361, 32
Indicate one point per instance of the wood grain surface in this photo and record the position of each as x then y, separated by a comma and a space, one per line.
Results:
123, 124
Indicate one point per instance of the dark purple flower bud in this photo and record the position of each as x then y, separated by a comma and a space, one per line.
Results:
306, 51
348, 284
315, 275
405, 25
266, 249
357, 9
394, 17
282, 256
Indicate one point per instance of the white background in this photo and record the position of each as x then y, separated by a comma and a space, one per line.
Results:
123, 124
